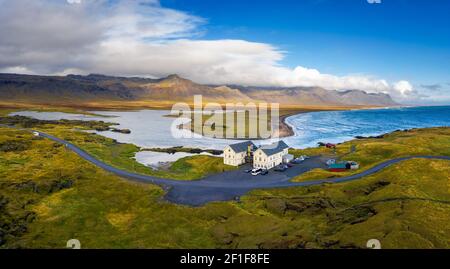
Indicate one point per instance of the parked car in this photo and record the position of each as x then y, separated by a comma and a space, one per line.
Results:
247, 170
305, 157
264, 172
297, 160
353, 165
281, 168
289, 165
256, 172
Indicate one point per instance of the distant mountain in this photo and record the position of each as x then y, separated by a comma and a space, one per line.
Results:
75, 89
174, 87
316, 96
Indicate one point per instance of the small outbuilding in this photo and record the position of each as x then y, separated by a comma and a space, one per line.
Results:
337, 167
330, 145
343, 166
288, 158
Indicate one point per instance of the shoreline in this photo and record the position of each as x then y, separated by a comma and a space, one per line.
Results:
285, 130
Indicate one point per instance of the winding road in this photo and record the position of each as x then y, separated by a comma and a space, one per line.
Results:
229, 185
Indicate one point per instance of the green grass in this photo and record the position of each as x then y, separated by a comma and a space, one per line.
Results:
370, 152
99, 208
120, 155
49, 195
199, 166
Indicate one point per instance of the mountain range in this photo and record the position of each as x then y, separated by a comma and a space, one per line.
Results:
79, 90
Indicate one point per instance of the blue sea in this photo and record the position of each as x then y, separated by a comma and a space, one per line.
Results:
340, 126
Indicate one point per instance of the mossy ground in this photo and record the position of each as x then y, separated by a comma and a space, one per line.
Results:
117, 154
49, 195
372, 151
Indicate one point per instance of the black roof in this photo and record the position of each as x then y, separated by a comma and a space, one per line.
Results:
241, 147
274, 148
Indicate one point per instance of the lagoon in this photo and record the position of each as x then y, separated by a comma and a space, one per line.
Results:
151, 128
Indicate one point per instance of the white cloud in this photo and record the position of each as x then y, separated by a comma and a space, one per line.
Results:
143, 38
404, 88
17, 70
74, 1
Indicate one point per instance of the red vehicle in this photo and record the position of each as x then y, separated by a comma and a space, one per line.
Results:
330, 146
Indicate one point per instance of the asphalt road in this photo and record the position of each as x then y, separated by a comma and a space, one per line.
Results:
229, 185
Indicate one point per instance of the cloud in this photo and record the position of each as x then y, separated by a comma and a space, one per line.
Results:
432, 87
404, 87
142, 38
74, 1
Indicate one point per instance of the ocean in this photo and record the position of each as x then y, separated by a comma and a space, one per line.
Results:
341, 126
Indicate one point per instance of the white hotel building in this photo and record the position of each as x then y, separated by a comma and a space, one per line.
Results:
264, 157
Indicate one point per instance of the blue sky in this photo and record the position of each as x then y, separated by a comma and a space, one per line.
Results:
399, 47
397, 39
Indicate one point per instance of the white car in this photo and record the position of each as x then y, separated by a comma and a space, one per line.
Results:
256, 172
354, 165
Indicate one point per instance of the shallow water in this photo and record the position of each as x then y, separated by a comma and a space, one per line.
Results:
158, 159
150, 128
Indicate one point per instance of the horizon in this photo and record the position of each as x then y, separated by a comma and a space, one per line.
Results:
199, 41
